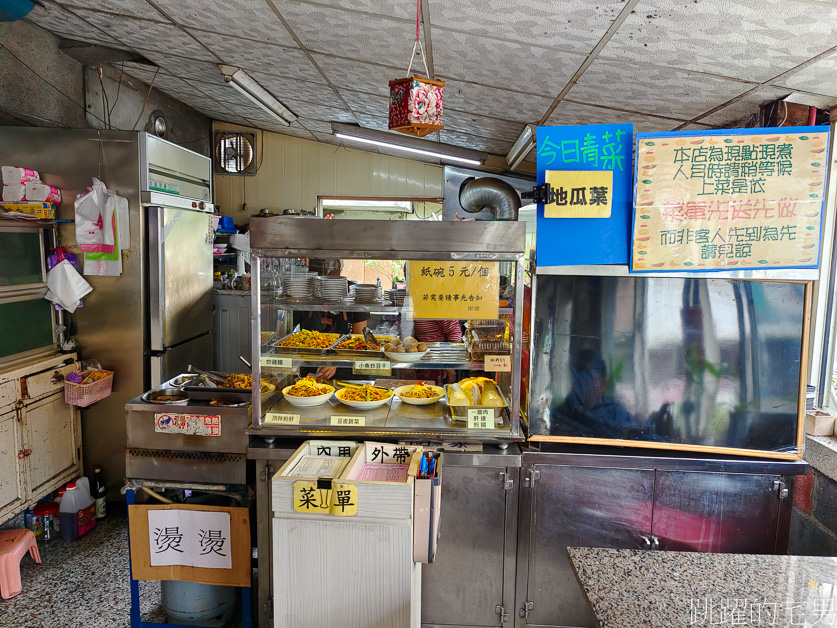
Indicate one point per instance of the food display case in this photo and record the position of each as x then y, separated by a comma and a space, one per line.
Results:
495, 247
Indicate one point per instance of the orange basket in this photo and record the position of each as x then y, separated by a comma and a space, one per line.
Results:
82, 395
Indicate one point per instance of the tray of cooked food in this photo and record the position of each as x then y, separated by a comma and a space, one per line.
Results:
305, 342
364, 397
231, 387
487, 328
472, 393
307, 393
408, 350
419, 394
357, 345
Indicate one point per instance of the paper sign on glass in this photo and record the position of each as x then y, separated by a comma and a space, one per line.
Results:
279, 418
729, 199
344, 419
497, 364
454, 290
480, 418
190, 538
579, 193
276, 363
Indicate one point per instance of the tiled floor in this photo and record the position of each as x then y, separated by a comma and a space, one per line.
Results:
82, 584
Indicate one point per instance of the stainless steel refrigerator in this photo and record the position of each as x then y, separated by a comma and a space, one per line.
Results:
156, 317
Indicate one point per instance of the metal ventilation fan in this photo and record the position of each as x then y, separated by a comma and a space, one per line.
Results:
235, 153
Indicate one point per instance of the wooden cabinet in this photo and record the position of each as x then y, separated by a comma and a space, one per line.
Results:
40, 442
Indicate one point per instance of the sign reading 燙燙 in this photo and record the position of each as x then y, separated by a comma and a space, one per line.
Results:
729, 200
454, 290
190, 538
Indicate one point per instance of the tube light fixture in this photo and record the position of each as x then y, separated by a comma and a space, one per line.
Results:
409, 149
247, 86
522, 147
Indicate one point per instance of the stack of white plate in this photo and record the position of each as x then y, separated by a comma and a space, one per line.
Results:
368, 293
332, 288
298, 285
397, 296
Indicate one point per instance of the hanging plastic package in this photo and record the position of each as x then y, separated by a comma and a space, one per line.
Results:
66, 286
53, 259
94, 220
102, 229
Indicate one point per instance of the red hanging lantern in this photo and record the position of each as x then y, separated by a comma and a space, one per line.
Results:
416, 103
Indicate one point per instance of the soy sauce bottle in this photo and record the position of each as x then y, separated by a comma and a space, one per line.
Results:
99, 492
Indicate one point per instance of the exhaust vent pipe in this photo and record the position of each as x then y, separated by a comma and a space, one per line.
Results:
489, 193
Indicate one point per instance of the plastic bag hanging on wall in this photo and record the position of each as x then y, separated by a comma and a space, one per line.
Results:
416, 103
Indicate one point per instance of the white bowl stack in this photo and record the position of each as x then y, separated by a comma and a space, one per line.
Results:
298, 285
368, 293
332, 288
397, 296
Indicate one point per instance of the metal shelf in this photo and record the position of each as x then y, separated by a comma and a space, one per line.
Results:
333, 306
394, 418
441, 355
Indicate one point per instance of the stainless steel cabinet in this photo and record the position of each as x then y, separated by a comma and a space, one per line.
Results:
637, 502
593, 507
471, 583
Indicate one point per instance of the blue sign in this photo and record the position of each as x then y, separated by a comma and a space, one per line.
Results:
585, 241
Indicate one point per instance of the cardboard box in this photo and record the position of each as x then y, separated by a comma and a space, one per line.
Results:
819, 423
44, 211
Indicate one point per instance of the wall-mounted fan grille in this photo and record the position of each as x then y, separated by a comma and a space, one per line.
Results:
235, 153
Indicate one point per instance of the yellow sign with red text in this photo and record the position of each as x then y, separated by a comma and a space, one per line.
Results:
457, 290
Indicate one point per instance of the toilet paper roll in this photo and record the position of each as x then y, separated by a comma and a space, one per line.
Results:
42, 192
15, 174
14, 193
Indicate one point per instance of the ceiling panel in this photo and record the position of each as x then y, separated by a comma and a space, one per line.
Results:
320, 112
650, 89
492, 62
696, 127
734, 115
464, 122
318, 127
494, 102
568, 113
819, 77
366, 77
137, 8
748, 39
570, 24
465, 140
147, 34
253, 19
371, 121
363, 37
388, 8
374, 104
58, 20
264, 57
281, 87
201, 71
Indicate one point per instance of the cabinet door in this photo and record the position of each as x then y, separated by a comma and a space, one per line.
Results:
50, 434
11, 477
716, 512
580, 507
464, 585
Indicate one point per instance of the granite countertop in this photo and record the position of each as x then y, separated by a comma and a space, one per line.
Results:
642, 589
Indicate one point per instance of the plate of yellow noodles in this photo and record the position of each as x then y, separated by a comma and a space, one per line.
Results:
307, 393
364, 397
419, 394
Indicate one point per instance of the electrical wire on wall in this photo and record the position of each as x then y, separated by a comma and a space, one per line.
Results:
145, 103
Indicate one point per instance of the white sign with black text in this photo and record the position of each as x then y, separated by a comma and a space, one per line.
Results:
191, 538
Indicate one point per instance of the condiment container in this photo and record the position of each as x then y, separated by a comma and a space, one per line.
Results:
48, 513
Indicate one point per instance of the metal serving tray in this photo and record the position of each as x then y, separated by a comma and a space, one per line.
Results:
301, 350
460, 413
358, 352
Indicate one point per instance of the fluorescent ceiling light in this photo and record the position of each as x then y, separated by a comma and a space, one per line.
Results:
247, 86
409, 149
522, 147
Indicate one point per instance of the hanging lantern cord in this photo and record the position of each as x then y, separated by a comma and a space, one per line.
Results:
418, 44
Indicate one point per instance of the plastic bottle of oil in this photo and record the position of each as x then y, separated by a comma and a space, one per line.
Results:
77, 511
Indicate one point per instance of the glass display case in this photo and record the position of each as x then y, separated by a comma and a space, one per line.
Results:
671, 363
457, 271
